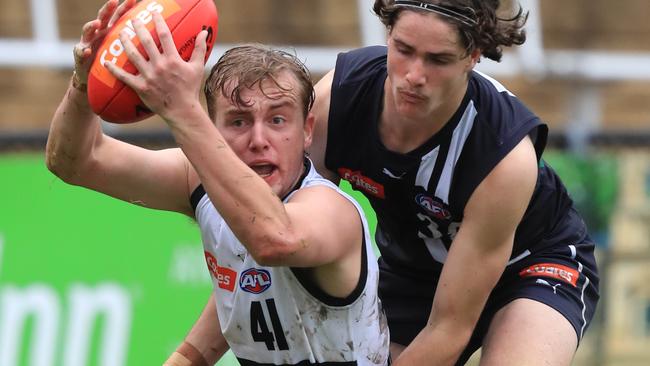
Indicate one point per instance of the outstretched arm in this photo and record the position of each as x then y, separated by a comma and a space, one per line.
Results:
75, 129
79, 153
476, 259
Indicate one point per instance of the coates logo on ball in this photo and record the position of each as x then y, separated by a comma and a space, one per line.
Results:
110, 98
255, 280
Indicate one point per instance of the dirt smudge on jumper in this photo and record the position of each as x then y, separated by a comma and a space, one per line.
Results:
376, 358
322, 314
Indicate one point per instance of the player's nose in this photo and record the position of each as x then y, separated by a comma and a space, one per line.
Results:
416, 73
258, 136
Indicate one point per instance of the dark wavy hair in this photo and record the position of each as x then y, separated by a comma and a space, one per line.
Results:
250, 65
489, 34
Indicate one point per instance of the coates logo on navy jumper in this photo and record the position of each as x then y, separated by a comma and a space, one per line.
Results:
437, 209
362, 182
255, 280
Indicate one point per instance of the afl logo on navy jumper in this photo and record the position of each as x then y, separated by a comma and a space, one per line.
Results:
431, 205
255, 280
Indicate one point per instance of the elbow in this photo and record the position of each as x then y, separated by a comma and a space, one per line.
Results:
54, 160
65, 168
269, 256
53, 164
56, 167
273, 252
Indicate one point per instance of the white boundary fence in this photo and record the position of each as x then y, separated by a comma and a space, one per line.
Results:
530, 60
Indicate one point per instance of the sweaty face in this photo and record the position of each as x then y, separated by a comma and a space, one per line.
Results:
269, 133
427, 65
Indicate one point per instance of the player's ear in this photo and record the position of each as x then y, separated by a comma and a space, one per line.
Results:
308, 129
474, 58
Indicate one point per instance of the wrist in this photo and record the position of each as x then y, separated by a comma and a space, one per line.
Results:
77, 83
183, 115
176, 359
186, 355
78, 98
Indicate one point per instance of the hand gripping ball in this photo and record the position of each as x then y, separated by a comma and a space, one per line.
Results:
111, 99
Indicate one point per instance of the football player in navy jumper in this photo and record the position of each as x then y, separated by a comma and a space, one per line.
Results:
481, 245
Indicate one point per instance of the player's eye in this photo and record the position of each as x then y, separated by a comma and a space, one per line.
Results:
278, 120
403, 50
436, 60
237, 122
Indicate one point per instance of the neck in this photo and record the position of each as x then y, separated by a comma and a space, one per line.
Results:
302, 171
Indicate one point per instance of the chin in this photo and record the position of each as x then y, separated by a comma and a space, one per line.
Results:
275, 184
280, 191
411, 110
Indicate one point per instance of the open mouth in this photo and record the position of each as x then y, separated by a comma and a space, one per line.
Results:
264, 170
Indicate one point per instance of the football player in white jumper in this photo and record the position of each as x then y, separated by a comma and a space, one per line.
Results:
295, 277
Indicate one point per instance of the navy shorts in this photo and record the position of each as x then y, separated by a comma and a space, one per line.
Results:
563, 277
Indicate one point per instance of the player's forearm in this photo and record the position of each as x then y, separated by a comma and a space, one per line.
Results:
188, 355
204, 343
73, 131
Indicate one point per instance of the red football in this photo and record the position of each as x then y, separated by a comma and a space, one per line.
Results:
111, 99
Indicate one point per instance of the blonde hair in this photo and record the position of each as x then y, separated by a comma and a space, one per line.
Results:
250, 65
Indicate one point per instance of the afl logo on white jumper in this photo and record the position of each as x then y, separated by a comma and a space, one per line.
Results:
255, 280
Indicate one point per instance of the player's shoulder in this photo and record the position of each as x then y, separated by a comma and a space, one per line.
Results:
317, 193
365, 53
495, 103
489, 92
360, 63
318, 190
